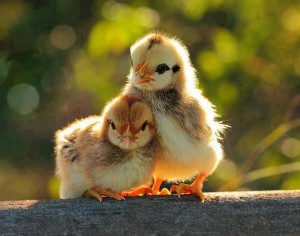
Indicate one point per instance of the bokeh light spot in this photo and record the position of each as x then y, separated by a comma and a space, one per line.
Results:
226, 170
226, 45
23, 98
112, 10
227, 92
194, 9
121, 24
63, 36
211, 65
152, 17
291, 147
115, 39
291, 20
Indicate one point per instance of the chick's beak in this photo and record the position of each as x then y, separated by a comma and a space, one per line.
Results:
127, 137
142, 74
143, 79
127, 142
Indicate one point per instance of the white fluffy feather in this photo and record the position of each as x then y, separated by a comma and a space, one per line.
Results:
183, 155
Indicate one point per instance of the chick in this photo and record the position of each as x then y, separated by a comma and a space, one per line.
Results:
108, 154
189, 135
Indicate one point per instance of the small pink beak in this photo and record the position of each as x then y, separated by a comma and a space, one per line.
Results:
127, 137
127, 141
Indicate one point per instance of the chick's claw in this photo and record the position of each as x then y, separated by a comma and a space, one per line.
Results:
182, 191
188, 189
99, 192
164, 191
142, 191
92, 194
156, 186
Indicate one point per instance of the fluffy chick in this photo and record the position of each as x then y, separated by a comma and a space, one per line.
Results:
188, 133
108, 154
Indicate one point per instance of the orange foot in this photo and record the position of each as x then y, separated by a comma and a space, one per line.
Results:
98, 193
155, 188
138, 192
195, 187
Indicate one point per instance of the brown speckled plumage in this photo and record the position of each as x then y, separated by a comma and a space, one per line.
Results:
156, 39
186, 112
100, 159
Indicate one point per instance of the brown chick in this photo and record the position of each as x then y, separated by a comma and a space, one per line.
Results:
105, 155
188, 132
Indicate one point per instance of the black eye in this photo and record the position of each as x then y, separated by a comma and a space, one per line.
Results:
144, 126
162, 68
112, 125
131, 62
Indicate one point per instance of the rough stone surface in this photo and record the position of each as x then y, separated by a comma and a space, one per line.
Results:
227, 213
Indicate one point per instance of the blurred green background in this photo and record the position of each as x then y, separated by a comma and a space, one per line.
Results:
62, 60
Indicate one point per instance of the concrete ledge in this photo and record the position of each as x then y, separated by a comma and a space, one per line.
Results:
259, 213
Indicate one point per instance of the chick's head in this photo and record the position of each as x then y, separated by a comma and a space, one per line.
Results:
159, 62
129, 123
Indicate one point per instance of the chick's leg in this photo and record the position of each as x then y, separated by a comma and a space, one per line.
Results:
195, 187
138, 192
99, 192
156, 186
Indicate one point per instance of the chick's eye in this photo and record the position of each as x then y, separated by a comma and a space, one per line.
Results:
162, 68
144, 126
112, 125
